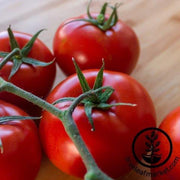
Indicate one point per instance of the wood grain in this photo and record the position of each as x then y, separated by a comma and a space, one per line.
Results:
157, 24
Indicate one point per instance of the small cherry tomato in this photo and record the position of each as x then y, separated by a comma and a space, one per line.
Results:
88, 39
20, 155
30, 77
115, 128
170, 169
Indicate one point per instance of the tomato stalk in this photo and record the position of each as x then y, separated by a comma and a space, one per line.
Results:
93, 171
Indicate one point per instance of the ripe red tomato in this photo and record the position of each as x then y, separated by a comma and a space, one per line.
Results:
21, 156
115, 128
88, 44
35, 79
170, 169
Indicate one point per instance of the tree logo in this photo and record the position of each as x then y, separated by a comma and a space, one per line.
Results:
152, 141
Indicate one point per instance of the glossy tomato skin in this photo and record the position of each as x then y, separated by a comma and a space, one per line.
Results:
37, 80
88, 44
110, 143
171, 125
21, 155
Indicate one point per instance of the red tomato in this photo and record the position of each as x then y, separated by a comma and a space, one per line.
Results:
21, 155
88, 44
35, 79
115, 128
170, 170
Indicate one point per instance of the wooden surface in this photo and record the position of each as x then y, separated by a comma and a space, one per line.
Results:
157, 24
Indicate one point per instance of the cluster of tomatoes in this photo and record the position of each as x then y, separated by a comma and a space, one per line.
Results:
115, 128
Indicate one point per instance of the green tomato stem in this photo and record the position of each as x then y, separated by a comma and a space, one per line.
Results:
9, 87
93, 171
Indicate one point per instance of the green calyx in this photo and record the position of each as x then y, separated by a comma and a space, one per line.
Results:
97, 100
101, 22
19, 56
